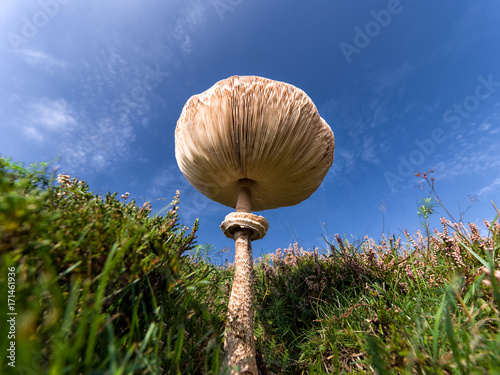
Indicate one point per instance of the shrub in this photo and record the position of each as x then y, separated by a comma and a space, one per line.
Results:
99, 282
392, 307
103, 286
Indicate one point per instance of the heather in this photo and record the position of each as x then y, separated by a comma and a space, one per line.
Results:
103, 286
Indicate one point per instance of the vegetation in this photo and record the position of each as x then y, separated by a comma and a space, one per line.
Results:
105, 287
101, 286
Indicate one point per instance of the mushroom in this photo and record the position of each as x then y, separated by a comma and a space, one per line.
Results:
252, 144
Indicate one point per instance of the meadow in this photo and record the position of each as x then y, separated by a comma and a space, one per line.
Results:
103, 286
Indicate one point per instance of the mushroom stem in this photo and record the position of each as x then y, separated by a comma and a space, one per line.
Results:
239, 344
244, 203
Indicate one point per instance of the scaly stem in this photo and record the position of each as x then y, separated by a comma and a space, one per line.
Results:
239, 344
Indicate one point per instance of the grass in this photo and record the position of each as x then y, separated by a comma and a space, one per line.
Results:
105, 287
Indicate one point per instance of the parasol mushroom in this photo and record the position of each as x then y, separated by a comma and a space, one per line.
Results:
252, 144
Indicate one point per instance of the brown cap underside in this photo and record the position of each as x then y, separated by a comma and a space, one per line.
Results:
257, 129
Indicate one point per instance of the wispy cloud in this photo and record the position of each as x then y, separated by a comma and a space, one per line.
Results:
41, 59
473, 149
468, 162
82, 142
191, 18
95, 124
392, 81
168, 179
355, 119
487, 190
97, 145
342, 164
46, 117
53, 114
370, 150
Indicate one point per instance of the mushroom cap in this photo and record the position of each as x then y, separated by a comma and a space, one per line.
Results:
264, 132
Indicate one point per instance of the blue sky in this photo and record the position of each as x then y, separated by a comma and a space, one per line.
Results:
405, 85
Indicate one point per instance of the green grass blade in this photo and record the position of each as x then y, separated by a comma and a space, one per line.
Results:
179, 344
110, 261
483, 262
435, 332
452, 339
